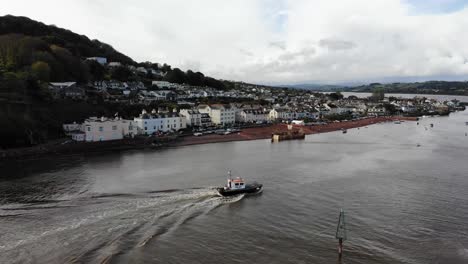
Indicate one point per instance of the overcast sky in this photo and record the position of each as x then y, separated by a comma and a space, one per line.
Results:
276, 41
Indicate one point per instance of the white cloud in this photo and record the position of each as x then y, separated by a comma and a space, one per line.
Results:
285, 41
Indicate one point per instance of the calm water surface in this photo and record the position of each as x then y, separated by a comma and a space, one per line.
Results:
404, 203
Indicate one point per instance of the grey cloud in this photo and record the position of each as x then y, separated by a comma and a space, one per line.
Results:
303, 53
335, 44
246, 53
278, 44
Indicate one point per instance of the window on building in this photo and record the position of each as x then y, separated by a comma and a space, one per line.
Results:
146, 128
130, 128
101, 129
89, 128
114, 127
154, 127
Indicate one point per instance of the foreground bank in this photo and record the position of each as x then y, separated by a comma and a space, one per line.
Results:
71, 148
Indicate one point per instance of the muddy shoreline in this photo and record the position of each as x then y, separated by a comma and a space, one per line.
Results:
266, 132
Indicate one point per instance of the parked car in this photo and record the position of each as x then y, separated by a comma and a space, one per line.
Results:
198, 134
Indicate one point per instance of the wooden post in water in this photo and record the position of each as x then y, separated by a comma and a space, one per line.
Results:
341, 233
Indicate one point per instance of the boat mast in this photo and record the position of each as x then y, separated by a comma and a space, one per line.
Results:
341, 232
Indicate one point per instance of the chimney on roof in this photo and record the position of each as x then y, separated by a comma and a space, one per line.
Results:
103, 119
143, 112
154, 112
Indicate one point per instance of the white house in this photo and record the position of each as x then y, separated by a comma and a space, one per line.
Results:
151, 123
68, 128
220, 114
280, 113
100, 60
253, 115
114, 64
205, 120
142, 70
104, 129
165, 85
61, 85
192, 117
376, 111
78, 136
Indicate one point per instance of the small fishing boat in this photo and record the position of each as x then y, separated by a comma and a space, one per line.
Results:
397, 122
237, 185
344, 131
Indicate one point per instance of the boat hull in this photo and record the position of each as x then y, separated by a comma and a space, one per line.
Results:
249, 189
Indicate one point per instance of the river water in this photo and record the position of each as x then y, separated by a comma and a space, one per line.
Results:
404, 188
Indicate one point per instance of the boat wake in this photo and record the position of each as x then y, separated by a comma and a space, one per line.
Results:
99, 227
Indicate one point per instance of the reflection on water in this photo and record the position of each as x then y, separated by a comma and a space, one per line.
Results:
403, 188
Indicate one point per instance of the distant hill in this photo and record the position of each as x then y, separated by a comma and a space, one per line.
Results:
430, 87
318, 87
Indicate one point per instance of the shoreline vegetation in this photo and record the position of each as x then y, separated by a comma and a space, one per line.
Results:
60, 148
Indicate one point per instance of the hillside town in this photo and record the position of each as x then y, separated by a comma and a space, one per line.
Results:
190, 113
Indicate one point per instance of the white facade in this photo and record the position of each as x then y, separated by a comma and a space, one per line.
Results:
151, 123
192, 117
99, 60
114, 64
61, 85
253, 116
164, 84
71, 127
78, 136
220, 114
104, 129
276, 114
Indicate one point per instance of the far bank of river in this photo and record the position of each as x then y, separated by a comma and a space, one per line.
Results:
438, 97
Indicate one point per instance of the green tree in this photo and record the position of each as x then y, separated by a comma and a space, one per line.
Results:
378, 94
175, 76
336, 96
41, 71
121, 73
96, 70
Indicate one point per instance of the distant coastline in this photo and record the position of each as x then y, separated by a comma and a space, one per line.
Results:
439, 97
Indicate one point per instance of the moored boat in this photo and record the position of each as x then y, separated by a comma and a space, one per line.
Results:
237, 185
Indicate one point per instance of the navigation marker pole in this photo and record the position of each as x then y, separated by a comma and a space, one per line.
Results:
341, 233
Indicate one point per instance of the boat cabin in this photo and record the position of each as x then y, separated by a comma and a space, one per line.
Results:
235, 184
